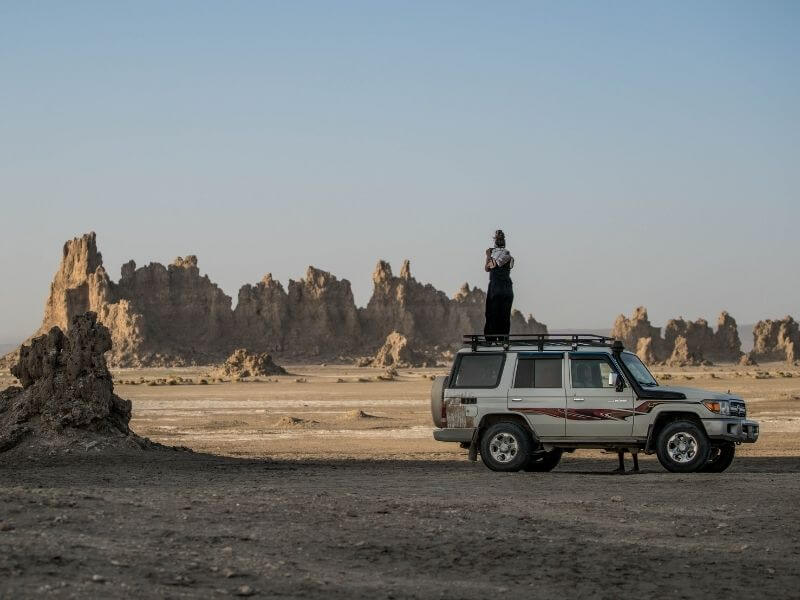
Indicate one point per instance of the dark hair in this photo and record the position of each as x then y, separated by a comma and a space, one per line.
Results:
499, 239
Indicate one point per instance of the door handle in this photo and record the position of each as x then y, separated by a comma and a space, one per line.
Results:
516, 399
578, 399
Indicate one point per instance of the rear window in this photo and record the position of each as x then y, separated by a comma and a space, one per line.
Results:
538, 373
478, 370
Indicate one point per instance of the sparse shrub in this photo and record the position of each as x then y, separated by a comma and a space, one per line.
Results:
203, 382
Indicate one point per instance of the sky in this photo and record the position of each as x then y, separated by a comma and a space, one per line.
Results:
635, 153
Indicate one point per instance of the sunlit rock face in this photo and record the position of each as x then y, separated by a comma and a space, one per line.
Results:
172, 315
776, 340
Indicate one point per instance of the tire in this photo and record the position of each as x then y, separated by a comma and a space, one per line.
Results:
505, 446
719, 458
682, 447
437, 398
542, 463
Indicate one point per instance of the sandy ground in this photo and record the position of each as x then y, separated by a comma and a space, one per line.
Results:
294, 493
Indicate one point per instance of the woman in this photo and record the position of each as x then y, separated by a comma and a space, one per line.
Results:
501, 292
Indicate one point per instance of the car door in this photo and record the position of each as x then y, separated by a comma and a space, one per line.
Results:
595, 407
478, 381
538, 392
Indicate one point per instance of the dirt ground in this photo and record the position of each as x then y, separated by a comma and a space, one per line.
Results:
321, 489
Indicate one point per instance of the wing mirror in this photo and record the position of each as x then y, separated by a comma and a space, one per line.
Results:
615, 381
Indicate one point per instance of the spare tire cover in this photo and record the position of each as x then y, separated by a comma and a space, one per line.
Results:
437, 397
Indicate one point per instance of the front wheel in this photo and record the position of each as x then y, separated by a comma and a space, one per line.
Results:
682, 447
719, 458
505, 447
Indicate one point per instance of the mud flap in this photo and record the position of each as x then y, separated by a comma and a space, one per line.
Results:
473, 447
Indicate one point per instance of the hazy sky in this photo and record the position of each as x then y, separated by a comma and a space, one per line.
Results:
635, 153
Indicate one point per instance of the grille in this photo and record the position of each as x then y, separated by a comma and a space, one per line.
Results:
738, 409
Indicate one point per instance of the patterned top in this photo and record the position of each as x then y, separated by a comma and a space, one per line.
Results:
501, 256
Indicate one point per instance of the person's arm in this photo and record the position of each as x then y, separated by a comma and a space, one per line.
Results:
490, 264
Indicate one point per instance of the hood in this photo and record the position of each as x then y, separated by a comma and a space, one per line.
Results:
696, 393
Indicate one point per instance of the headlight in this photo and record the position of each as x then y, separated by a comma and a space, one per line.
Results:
720, 407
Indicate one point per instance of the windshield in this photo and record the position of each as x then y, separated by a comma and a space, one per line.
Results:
638, 370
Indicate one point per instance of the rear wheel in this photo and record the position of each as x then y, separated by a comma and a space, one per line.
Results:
505, 446
719, 458
682, 447
543, 462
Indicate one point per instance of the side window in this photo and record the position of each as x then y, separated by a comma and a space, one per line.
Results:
538, 373
590, 372
478, 370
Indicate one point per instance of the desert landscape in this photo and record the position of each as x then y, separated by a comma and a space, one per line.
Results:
324, 481
311, 473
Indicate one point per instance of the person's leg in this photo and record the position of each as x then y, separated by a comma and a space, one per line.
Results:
489, 325
491, 313
504, 314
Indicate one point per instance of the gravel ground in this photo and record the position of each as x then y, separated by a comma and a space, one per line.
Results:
182, 525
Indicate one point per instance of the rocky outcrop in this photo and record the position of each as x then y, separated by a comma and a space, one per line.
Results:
243, 363
638, 333
685, 343
173, 315
727, 346
396, 352
261, 314
67, 393
684, 355
183, 316
776, 340
322, 316
425, 315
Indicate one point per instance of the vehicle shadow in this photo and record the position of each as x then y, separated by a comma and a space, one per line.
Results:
120, 469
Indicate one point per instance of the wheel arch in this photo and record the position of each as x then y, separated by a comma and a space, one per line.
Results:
665, 417
492, 418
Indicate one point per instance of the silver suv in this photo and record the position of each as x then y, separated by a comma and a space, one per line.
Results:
522, 400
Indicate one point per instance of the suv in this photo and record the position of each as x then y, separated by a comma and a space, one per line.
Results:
522, 400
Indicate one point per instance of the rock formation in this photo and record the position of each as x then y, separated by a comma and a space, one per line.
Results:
684, 343
243, 363
776, 340
683, 354
67, 393
637, 333
425, 315
173, 315
727, 346
397, 353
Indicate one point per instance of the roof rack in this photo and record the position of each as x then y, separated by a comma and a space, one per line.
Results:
541, 340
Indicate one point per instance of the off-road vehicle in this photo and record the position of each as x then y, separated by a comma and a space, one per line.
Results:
520, 401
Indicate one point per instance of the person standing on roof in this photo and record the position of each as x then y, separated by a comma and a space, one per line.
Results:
500, 296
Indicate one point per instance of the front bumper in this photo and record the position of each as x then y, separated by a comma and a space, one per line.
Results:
732, 430
454, 434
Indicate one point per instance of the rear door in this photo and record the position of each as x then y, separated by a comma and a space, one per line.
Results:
477, 376
594, 408
538, 392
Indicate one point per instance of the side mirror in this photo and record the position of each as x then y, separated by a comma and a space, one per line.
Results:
616, 382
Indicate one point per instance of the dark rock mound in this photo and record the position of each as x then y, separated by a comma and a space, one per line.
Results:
67, 395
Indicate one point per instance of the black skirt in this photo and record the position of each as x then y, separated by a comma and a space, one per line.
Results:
499, 299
